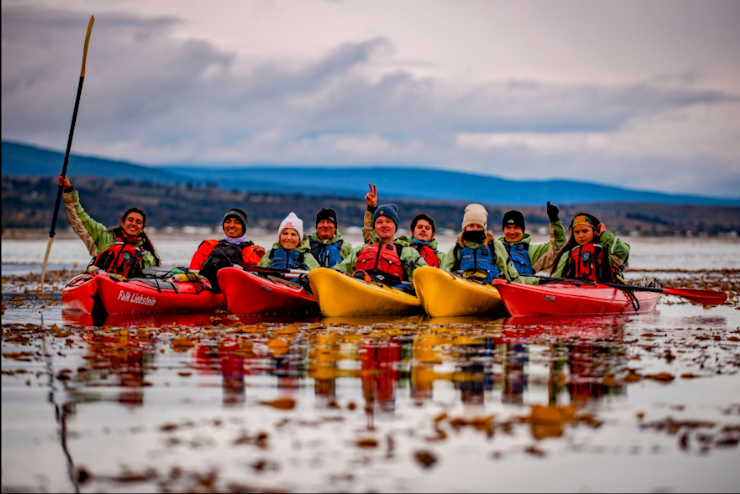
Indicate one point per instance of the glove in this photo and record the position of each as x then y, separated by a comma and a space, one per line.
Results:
552, 212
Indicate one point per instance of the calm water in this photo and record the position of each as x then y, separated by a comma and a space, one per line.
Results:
209, 402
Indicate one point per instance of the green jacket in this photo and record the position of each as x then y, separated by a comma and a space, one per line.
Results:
344, 251
348, 265
505, 266
543, 255
408, 242
96, 236
618, 253
308, 259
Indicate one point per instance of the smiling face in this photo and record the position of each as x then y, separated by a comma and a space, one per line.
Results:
583, 234
133, 224
423, 231
513, 233
233, 228
326, 229
385, 228
289, 239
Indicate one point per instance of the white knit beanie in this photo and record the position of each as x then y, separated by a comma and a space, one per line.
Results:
475, 214
294, 222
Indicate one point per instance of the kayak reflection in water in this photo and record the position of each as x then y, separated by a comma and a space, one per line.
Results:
383, 259
592, 252
477, 252
234, 248
124, 249
529, 258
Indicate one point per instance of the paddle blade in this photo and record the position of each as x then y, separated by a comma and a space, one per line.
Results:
43, 268
706, 297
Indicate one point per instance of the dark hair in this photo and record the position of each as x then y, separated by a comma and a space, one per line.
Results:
147, 245
424, 217
572, 239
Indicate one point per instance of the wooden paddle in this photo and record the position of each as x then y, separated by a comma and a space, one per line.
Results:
52, 232
706, 297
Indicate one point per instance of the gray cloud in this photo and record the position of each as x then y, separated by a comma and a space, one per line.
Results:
152, 97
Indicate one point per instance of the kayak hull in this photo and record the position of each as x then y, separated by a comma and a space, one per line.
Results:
444, 294
81, 294
564, 299
249, 293
138, 296
340, 295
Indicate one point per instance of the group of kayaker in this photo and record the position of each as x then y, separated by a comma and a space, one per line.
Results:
591, 252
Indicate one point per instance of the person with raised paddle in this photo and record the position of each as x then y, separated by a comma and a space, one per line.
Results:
234, 248
125, 250
383, 259
591, 253
327, 245
477, 254
291, 251
529, 258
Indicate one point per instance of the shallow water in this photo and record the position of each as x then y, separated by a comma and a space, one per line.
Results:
212, 402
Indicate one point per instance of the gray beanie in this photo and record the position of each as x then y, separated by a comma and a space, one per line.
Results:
237, 213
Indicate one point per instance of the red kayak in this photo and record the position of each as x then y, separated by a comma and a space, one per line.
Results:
249, 293
141, 295
573, 298
81, 294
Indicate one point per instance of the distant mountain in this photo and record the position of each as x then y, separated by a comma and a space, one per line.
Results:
393, 182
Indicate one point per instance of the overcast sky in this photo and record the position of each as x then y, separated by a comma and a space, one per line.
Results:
638, 94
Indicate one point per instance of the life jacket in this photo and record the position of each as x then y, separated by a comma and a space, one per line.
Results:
588, 262
226, 254
382, 259
519, 256
122, 258
427, 253
483, 258
328, 255
282, 259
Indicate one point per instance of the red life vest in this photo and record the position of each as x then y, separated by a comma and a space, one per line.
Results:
428, 254
588, 262
122, 258
384, 259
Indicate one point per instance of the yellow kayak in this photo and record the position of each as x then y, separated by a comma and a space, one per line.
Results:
444, 294
341, 295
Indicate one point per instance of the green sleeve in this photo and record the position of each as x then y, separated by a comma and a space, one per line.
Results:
346, 250
310, 261
148, 259
348, 264
558, 273
449, 260
618, 251
418, 261
98, 231
441, 258
266, 260
505, 266
557, 238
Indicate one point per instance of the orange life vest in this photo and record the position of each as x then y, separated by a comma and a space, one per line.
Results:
588, 262
122, 258
381, 259
428, 254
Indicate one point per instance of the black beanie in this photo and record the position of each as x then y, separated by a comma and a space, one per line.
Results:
513, 218
326, 214
423, 216
240, 216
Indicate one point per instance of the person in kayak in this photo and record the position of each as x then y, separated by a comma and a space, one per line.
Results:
529, 258
327, 245
383, 259
591, 253
422, 228
124, 249
478, 251
291, 251
234, 248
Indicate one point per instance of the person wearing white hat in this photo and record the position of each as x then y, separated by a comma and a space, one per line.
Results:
291, 251
477, 250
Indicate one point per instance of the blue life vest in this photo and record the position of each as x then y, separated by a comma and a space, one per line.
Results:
280, 259
328, 255
481, 258
519, 255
